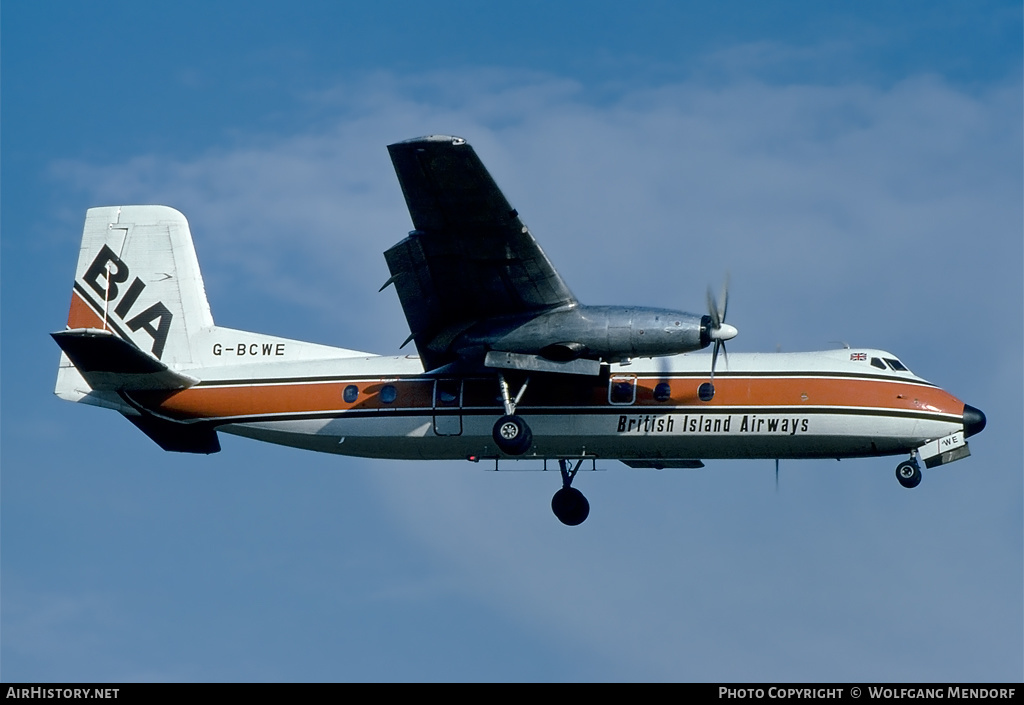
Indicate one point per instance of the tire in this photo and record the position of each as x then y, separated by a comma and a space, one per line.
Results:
570, 506
908, 474
512, 435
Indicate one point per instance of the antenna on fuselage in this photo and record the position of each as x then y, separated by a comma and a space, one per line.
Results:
776, 475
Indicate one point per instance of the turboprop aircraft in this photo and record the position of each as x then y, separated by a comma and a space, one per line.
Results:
510, 366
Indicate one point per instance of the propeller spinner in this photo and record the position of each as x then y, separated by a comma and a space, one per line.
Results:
718, 331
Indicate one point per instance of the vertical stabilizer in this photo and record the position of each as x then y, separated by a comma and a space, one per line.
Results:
138, 277
139, 322
137, 305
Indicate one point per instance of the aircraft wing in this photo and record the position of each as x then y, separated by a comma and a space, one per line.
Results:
470, 257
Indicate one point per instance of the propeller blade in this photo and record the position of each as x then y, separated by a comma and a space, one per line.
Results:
719, 345
725, 297
716, 318
714, 360
720, 332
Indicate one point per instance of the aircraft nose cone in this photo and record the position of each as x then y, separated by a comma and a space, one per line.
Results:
974, 420
724, 332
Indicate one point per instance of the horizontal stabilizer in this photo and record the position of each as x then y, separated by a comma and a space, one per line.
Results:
110, 363
662, 463
178, 437
536, 363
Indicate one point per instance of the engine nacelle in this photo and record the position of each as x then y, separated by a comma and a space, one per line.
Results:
608, 333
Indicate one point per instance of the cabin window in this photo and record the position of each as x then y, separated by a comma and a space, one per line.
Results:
875, 362
896, 365
388, 393
622, 389
447, 392
350, 394
662, 392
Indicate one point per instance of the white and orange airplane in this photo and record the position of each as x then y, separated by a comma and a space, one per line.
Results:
510, 364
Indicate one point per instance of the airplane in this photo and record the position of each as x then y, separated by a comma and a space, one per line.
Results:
510, 364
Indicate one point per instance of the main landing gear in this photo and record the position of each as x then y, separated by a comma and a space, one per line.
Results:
511, 433
513, 437
569, 504
909, 473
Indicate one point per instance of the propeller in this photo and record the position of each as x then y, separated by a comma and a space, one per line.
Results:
719, 331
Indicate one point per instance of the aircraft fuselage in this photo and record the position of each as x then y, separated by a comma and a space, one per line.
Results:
775, 405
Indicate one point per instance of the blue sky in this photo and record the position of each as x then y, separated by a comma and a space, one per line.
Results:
856, 169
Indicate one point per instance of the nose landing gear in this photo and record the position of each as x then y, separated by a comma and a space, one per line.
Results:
569, 504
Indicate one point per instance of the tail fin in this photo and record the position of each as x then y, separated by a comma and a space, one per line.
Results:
139, 320
138, 277
137, 302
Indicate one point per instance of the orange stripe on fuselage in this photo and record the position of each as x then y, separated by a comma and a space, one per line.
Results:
806, 391
317, 397
253, 400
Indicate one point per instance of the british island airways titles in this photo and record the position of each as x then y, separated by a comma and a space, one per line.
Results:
712, 423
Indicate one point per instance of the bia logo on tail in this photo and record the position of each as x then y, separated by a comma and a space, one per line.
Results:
155, 320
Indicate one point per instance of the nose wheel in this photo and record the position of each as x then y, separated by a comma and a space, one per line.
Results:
569, 504
909, 473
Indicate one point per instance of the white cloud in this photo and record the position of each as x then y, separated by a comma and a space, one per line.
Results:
846, 191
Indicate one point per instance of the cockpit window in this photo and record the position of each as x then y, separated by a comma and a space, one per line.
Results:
875, 362
896, 365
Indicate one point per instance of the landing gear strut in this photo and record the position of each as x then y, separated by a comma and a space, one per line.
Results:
569, 504
909, 473
511, 433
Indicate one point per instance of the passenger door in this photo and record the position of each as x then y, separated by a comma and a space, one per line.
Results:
448, 407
